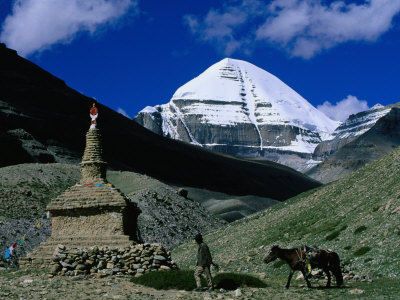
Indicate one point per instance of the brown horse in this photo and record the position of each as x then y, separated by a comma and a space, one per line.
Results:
297, 259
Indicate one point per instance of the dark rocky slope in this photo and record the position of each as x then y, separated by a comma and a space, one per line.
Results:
167, 217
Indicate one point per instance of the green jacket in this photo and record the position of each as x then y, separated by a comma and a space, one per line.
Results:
204, 258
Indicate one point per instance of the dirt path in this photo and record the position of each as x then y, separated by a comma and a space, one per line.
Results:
33, 285
39, 286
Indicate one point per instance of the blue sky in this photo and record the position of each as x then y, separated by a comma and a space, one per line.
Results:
342, 56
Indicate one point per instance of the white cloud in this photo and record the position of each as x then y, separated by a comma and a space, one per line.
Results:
219, 27
302, 27
307, 27
123, 112
344, 108
37, 25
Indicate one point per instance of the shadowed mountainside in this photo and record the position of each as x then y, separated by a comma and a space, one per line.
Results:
43, 120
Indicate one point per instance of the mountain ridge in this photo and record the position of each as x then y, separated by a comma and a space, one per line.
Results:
237, 108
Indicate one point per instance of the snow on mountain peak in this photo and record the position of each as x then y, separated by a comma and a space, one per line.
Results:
238, 108
265, 98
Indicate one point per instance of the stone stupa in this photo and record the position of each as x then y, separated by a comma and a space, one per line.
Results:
92, 212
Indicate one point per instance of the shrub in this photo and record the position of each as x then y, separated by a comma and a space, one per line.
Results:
360, 229
163, 280
236, 280
335, 234
332, 236
184, 280
347, 248
362, 251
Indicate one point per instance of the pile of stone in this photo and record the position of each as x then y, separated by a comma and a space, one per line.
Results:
100, 262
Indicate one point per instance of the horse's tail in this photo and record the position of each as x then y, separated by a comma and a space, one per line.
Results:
335, 268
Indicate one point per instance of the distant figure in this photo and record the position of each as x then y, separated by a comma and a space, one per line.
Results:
204, 261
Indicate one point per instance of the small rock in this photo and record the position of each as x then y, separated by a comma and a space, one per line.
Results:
159, 257
101, 265
27, 282
182, 192
108, 271
299, 276
238, 293
55, 269
80, 267
357, 292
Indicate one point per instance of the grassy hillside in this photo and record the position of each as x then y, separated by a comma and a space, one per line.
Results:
358, 217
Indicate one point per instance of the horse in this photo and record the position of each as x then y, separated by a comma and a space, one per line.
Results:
297, 259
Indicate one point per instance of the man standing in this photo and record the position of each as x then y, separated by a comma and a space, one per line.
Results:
204, 261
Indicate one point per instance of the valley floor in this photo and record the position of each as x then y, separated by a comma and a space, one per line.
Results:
35, 284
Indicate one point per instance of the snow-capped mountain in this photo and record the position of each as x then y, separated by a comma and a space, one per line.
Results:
237, 108
350, 129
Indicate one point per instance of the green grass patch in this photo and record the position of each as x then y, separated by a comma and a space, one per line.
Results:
335, 234
360, 229
347, 248
164, 280
184, 280
13, 273
332, 236
231, 281
361, 251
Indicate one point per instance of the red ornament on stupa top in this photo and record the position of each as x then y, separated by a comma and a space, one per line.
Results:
94, 112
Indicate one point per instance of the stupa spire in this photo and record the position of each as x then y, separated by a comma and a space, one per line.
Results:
93, 167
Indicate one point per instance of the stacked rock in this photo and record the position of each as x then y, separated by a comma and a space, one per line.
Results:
100, 262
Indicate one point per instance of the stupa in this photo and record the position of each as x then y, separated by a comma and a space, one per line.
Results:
92, 212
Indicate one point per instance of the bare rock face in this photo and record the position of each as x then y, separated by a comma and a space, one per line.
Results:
237, 108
